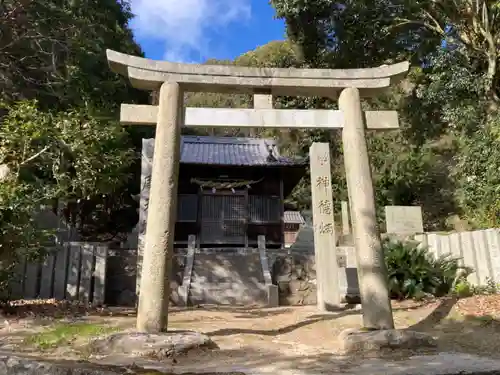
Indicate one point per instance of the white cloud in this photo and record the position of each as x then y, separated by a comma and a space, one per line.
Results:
184, 25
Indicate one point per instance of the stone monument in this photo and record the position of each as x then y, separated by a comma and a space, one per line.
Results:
327, 279
404, 219
173, 79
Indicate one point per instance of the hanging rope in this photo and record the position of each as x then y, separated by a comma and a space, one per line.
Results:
223, 184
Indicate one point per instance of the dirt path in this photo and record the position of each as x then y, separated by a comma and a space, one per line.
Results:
284, 338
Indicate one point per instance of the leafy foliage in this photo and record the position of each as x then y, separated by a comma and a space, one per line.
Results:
414, 272
478, 175
68, 148
54, 51
464, 289
70, 156
461, 132
448, 104
371, 32
70, 153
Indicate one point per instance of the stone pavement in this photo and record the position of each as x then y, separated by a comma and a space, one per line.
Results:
438, 364
442, 363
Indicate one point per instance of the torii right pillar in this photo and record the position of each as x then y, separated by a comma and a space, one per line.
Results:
372, 271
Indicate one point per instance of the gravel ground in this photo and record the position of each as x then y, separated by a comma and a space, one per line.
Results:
278, 339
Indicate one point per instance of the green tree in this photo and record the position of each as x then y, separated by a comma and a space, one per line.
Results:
356, 33
45, 157
67, 146
449, 110
478, 176
54, 51
448, 105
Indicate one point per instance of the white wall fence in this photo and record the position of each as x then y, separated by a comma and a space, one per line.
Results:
478, 249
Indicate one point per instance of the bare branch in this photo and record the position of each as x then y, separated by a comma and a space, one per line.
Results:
437, 26
31, 158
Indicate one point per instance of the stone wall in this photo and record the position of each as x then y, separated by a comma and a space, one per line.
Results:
227, 278
293, 272
121, 278
295, 275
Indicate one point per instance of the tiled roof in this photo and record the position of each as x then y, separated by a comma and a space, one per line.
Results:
293, 217
227, 151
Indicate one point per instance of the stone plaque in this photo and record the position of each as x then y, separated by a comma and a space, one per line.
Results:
404, 219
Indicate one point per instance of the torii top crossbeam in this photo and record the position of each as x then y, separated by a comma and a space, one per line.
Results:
149, 74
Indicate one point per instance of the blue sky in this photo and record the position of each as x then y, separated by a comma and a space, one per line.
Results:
195, 30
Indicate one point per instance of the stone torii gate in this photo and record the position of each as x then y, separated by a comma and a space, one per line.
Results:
173, 79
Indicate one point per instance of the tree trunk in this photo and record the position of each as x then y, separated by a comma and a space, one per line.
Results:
491, 79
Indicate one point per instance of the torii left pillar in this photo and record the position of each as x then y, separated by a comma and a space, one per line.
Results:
152, 314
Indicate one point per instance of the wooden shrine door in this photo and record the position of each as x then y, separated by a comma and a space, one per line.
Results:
223, 219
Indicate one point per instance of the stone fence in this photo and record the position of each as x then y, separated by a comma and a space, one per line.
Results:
94, 273
478, 249
75, 271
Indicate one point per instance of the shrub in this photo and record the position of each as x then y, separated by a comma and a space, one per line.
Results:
414, 272
490, 288
463, 289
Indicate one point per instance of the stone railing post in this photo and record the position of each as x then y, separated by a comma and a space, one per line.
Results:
271, 289
346, 226
188, 270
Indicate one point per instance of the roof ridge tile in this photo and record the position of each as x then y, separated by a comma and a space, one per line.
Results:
237, 151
